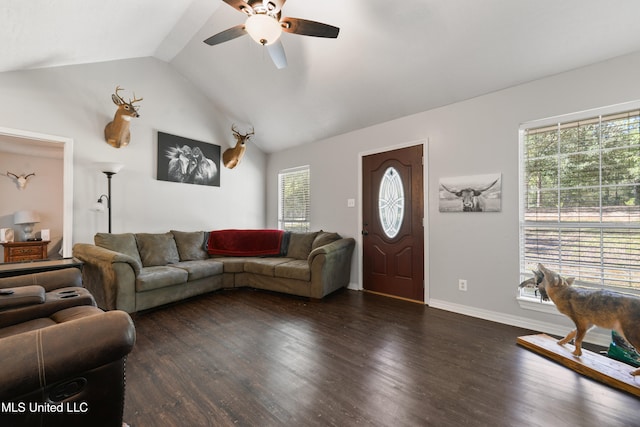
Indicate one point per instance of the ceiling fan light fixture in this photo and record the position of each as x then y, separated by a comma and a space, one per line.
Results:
263, 28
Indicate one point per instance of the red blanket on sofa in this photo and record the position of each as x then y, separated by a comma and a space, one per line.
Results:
245, 242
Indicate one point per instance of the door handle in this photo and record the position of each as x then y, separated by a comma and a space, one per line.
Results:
364, 230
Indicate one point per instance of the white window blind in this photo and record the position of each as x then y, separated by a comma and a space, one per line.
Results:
580, 199
294, 199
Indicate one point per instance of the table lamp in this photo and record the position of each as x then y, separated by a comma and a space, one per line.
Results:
26, 219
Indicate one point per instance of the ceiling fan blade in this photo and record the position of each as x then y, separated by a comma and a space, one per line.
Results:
276, 51
226, 35
240, 5
274, 6
309, 28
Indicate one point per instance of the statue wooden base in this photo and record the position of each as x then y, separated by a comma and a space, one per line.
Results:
593, 365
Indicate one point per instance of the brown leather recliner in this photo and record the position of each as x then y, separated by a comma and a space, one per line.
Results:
63, 359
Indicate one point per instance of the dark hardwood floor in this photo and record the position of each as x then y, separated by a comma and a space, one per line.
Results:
254, 358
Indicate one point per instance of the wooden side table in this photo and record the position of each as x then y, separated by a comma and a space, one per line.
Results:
25, 251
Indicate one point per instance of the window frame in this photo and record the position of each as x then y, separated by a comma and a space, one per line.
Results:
282, 221
525, 298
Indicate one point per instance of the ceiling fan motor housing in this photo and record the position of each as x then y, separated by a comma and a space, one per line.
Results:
265, 27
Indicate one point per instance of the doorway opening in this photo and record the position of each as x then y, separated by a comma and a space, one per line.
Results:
26, 142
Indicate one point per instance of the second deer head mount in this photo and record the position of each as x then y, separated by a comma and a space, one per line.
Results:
232, 156
21, 181
117, 132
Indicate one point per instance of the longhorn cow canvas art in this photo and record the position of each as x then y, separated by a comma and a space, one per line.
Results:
188, 161
476, 193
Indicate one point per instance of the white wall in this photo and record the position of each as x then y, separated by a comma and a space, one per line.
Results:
477, 136
75, 102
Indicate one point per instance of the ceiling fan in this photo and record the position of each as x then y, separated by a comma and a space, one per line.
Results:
265, 25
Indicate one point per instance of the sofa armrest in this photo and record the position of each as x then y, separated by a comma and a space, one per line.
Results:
53, 302
336, 245
87, 252
52, 354
330, 266
110, 276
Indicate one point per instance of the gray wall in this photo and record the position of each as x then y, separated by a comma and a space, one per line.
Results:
478, 136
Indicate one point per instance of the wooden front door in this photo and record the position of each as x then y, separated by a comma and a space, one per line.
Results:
392, 219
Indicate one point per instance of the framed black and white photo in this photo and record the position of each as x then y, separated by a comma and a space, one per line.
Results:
188, 161
474, 193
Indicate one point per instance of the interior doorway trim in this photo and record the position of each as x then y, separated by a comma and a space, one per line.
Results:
67, 144
425, 181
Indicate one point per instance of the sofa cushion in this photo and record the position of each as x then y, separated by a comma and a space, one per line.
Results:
198, 269
263, 266
296, 269
60, 316
160, 277
157, 249
324, 238
124, 243
300, 245
232, 264
72, 313
191, 245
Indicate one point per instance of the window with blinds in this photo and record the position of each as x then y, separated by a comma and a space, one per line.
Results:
294, 199
580, 199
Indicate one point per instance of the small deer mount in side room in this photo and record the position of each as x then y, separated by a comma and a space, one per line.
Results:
116, 133
21, 181
232, 156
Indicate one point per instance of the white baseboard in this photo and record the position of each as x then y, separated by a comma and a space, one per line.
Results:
599, 337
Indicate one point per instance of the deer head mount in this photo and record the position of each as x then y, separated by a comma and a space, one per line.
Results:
232, 156
21, 181
117, 131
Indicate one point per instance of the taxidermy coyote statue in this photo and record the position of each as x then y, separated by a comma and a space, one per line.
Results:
589, 307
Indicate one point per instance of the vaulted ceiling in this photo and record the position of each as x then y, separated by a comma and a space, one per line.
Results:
391, 58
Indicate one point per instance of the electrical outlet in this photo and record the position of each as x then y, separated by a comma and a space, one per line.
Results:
462, 285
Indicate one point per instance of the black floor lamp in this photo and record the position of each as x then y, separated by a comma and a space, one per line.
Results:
109, 169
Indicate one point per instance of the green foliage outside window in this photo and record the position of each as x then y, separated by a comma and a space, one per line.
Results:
581, 199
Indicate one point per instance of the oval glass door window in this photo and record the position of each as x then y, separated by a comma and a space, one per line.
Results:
391, 202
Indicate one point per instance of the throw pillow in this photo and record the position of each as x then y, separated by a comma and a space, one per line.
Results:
190, 245
124, 243
300, 245
324, 238
157, 249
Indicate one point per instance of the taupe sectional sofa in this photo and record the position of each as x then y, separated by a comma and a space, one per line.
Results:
134, 272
